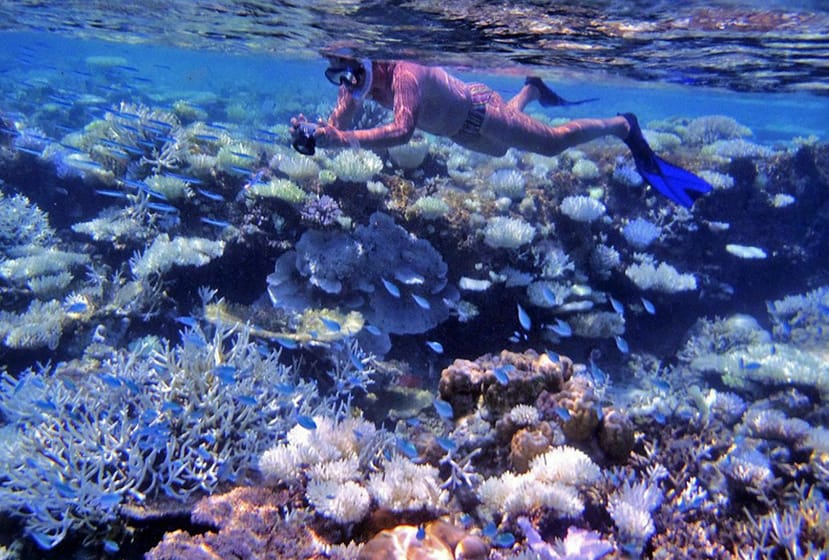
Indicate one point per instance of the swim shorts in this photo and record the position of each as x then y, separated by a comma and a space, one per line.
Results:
479, 95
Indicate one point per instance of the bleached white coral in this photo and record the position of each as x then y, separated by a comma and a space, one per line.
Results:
405, 486
551, 482
582, 208
430, 207
22, 223
164, 254
663, 278
40, 262
565, 464
328, 452
410, 155
356, 166
508, 183
640, 233
508, 233
630, 507
524, 415
344, 503
40, 325
585, 169
299, 168
282, 189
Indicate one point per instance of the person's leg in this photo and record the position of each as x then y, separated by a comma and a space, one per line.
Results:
508, 126
527, 95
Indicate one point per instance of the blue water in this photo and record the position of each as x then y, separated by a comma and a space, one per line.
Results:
93, 346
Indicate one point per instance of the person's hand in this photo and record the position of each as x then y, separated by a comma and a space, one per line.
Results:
328, 136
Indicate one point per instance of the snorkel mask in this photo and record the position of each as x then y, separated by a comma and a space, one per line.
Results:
354, 74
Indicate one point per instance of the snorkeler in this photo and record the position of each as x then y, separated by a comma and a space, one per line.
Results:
473, 116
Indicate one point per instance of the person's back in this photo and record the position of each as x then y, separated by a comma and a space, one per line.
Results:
438, 100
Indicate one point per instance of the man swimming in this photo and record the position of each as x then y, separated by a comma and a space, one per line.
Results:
475, 117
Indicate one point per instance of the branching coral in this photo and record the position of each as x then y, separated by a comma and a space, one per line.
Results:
164, 254
663, 278
508, 233
176, 420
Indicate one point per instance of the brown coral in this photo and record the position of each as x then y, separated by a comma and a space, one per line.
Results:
527, 375
245, 519
525, 446
616, 437
437, 540
576, 407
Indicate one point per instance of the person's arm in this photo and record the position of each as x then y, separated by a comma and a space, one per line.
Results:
406, 105
343, 113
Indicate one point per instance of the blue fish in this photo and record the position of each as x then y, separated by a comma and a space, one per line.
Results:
216, 223
171, 406
391, 287
243, 155
330, 324
188, 321
46, 405
210, 194
372, 329
185, 178
306, 422
648, 305
750, 366
109, 500
414, 421
504, 540
111, 194
548, 295
407, 448
286, 343
501, 375
246, 400
561, 328
421, 532
192, 338
435, 346
621, 344
30, 151
661, 384
447, 444
617, 305
421, 302
207, 137
160, 207
489, 530
524, 318
226, 373
443, 408
110, 380
562, 413
78, 307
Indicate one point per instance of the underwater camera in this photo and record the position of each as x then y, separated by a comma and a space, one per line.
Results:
304, 141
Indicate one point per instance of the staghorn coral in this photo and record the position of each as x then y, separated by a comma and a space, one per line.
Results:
41, 325
134, 426
22, 224
164, 254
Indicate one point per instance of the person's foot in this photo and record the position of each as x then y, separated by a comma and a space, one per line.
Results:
549, 98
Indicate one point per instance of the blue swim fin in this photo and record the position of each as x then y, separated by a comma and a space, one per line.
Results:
549, 98
680, 185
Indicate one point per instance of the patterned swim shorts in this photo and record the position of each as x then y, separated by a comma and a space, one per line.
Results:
479, 95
